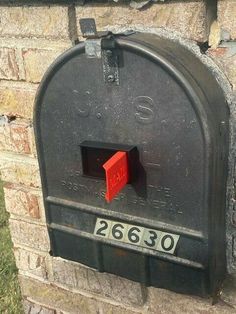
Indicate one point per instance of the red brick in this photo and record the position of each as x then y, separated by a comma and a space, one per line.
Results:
22, 201
189, 18
225, 57
31, 262
30, 235
227, 17
34, 21
17, 99
67, 301
15, 136
78, 277
37, 61
32, 308
19, 169
9, 67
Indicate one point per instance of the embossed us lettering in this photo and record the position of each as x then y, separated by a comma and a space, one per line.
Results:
144, 109
84, 110
146, 155
74, 173
83, 107
73, 186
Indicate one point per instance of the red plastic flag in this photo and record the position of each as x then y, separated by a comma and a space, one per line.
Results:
117, 175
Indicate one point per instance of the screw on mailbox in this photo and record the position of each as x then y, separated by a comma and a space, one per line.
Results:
111, 78
109, 53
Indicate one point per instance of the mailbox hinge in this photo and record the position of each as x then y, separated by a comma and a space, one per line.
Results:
110, 60
93, 40
102, 46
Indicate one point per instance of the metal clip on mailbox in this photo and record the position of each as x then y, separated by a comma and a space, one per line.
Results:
132, 140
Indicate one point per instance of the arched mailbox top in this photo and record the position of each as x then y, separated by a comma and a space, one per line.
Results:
155, 100
199, 83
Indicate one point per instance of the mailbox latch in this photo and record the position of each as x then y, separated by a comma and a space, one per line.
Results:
101, 45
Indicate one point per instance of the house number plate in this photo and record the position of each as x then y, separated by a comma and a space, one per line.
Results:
136, 235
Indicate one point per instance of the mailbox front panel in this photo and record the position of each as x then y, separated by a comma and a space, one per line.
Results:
165, 228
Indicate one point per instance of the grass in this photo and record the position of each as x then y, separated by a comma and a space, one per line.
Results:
10, 298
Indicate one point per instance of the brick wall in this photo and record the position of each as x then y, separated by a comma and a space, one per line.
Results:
31, 37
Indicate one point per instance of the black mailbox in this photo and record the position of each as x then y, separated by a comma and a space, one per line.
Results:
153, 100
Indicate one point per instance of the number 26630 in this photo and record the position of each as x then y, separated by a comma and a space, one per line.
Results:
136, 235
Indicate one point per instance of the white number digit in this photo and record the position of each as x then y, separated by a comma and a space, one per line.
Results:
134, 234
102, 228
151, 238
168, 242
118, 231
148, 238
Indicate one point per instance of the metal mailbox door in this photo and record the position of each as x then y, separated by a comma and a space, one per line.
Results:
166, 227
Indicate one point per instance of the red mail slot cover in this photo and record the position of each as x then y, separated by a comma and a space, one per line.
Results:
117, 175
